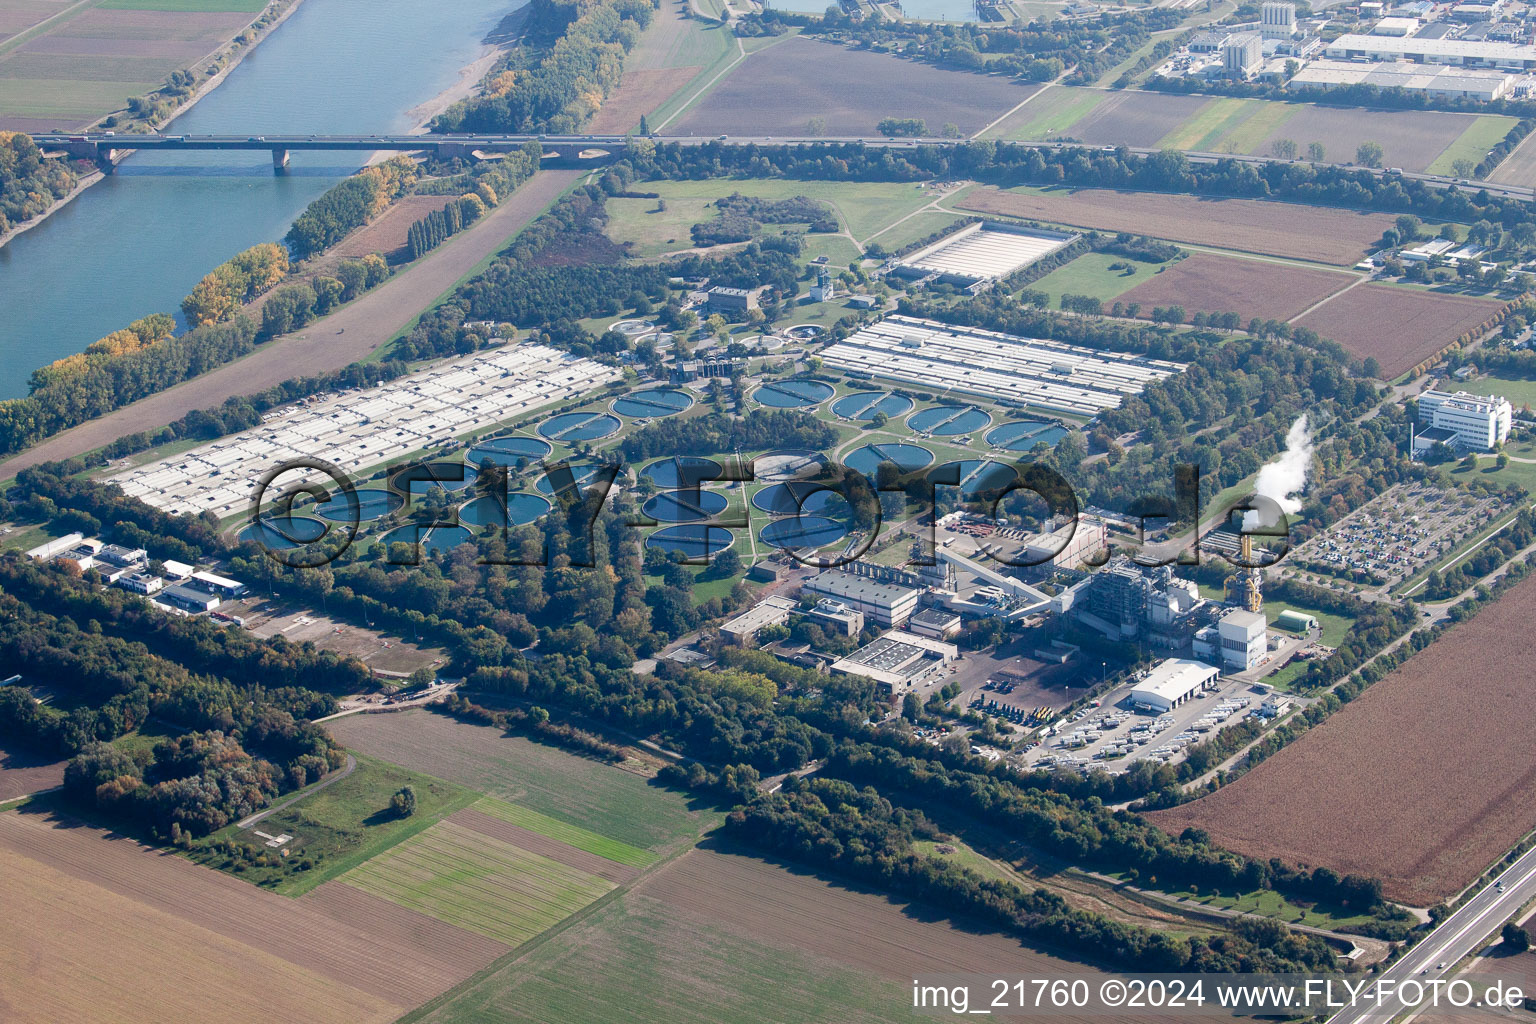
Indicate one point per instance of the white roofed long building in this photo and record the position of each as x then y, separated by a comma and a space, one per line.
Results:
356, 431
1027, 371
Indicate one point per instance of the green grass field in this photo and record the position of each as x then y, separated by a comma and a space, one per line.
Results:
915, 228
1052, 112
640, 961
1272, 904
589, 794
1211, 125
1481, 135
1333, 626
571, 835
342, 826
1089, 274
863, 208
470, 880
187, 6
39, 97
1519, 392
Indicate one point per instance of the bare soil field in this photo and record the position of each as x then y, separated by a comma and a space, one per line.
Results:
16, 16
527, 839
1400, 326
1221, 284
1134, 118
22, 772
388, 655
75, 951
1246, 225
383, 964
639, 93
1408, 139
349, 334
389, 232
850, 89
1519, 168
1422, 781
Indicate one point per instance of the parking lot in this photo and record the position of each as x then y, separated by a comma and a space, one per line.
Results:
1116, 735
1395, 535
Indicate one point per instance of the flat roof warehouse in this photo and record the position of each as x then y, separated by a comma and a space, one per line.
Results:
1044, 373
358, 431
979, 254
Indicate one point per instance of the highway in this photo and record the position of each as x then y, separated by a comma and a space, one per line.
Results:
107, 141
1458, 935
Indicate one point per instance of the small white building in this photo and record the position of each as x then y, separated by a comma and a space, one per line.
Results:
55, 548
1172, 683
936, 623
898, 661
1242, 636
141, 583
1476, 422
836, 615
1395, 27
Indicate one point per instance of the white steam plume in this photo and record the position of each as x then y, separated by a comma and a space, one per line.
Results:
1285, 476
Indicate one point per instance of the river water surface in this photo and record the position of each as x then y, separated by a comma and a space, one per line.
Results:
138, 241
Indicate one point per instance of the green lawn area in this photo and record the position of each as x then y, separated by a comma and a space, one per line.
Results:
1089, 274
914, 229
1481, 135
571, 835
639, 960
471, 880
1519, 392
1522, 473
579, 791
1271, 904
1208, 124
863, 208
341, 826
711, 47
1052, 112
1334, 626
68, 98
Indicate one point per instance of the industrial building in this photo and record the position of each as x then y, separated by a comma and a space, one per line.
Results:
1043, 373
1475, 422
1242, 54
836, 616
357, 430
1293, 621
223, 586
979, 254
1243, 641
898, 661
1432, 80
1469, 53
731, 300
743, 629
1069, 545
884, 604
935, 623
1171, 683
141, 583
1277, 19
188, 598
1126, 601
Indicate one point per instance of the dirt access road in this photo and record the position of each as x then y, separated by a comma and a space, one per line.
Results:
326, 345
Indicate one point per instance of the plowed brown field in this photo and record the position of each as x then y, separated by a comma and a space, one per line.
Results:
527, 839
1247, 225
1400, 326
387, 962
1223, 284
392, 228
22, 773
1422, 781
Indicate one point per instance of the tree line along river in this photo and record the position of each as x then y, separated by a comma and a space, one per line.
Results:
136, 242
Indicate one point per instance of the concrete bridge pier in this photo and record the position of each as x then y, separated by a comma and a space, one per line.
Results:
279, 161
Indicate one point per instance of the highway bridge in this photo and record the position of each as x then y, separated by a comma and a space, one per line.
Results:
107, 148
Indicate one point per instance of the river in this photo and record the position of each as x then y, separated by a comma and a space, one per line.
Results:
138, 241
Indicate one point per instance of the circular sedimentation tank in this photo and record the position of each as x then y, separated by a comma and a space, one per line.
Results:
633, 328
787, 463
372, 503
439, 538
1022, 435
441, 474
654, 403
571, 427
683, 507
803, 532
805, 332
581, 475
865, 405
976, 475
907, 458
488, 511
508, 451
792, 394
669, 473
281, 533
691, 540
797, 498
949, 420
